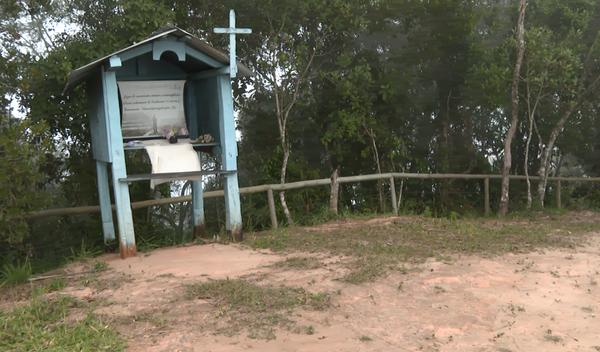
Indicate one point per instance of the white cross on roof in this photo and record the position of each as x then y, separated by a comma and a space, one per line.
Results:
232, 31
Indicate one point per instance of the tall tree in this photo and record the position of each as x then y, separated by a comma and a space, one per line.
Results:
291, 41
514, 108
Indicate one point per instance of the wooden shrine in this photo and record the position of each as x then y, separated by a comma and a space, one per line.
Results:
170, 83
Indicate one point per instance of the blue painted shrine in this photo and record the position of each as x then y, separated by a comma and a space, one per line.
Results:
203, 76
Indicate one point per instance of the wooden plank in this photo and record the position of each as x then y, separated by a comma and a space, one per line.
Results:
120, 189
486, 186
179, 175
393, 191
209, 74
98, 120
191, 110
272, 208
108, 227
275, 187
202, 57
482, 176
233, 213
198, 210
134, 147
135, 52
558, 194
159, 47
114, 63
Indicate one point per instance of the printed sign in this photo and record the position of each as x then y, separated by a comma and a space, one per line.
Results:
150, 106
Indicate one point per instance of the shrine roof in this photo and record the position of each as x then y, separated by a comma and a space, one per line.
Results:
80, 75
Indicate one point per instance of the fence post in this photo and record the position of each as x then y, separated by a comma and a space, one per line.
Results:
558, 194
393, 190
272, 208
334, 192
486, 183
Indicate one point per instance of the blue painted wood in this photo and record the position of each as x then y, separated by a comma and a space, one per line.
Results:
227, 122
209, 74
175, 175
121, 189
198, 204
202, 57
233, 212
135, 52
157, 77
145, 68
232, 31
108, 227
98, 120
159, 47
208, 108
193, 144
191, 110
114, 63
142, 63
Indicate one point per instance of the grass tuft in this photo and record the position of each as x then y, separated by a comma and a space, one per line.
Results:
14, 274
44, 325
84, 253
377, 248
554, 338
257, 308
299, 263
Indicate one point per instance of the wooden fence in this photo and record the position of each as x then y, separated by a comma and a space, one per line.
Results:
321, 182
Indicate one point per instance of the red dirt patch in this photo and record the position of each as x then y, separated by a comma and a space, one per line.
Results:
540, 301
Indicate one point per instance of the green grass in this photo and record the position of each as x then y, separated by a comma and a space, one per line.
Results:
99, 265
11, 274
44, 325
554, 338
299, 263
85, 252
379, 248
258, 309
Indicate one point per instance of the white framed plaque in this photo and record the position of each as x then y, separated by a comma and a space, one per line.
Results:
149, 107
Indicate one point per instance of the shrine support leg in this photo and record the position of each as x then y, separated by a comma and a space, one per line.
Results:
229, 158
119, 170
198, 210
124, 215
108, 227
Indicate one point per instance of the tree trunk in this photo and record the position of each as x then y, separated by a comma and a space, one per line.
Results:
283, 107
526, 166
514, 96
375, 151
286, 210
335, 186
582, 91
547, 154
531, 115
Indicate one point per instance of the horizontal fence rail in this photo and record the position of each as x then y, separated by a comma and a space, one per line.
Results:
313, 183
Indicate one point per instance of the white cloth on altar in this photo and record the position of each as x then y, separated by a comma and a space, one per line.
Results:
172, 158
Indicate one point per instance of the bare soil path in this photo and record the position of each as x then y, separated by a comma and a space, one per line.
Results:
547, 300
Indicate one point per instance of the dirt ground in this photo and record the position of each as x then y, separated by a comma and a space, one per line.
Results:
541, 301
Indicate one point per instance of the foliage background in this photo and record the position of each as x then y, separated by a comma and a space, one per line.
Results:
369, 86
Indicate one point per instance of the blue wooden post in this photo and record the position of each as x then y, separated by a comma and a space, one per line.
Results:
233, 211
198, 208
108, 228
121, 189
